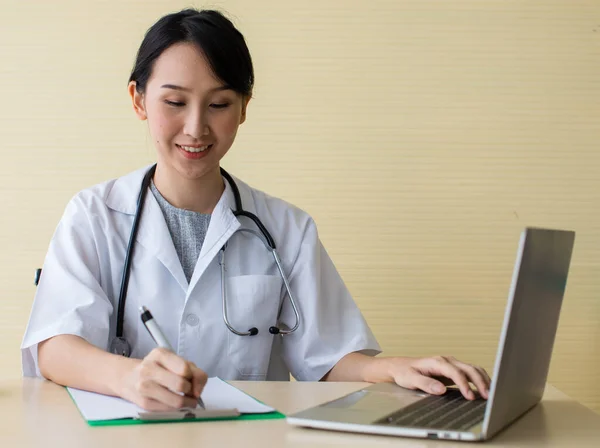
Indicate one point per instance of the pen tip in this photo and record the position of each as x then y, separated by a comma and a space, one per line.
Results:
143, 309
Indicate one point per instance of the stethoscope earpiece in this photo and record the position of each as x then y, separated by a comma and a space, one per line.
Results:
273, 330
253, 331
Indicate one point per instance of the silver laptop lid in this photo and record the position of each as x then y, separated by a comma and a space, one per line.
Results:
530, 323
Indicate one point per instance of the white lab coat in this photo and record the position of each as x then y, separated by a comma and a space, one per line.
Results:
79, 287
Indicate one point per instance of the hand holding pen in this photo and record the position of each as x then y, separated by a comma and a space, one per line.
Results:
196, 378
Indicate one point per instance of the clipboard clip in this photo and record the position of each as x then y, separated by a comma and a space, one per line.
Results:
188, 414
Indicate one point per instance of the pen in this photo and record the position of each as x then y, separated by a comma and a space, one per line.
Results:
158, 336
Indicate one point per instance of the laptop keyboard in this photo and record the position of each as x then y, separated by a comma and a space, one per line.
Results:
449, 411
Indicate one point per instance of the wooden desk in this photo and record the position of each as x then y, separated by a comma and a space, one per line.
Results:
36, 413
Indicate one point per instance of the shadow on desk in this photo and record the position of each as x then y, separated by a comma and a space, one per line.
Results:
570, 426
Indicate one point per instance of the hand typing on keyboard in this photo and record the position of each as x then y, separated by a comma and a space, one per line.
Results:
430, 375
433, 374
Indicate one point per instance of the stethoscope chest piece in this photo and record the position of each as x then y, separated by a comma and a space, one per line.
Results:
120, 346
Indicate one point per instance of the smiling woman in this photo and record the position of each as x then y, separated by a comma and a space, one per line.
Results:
194, 98
193, 116
192, 83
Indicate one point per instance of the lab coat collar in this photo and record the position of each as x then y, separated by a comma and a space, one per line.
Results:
123, 195
153, 232
223, 224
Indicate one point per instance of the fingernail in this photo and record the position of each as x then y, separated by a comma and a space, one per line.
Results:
471, 395
438, 388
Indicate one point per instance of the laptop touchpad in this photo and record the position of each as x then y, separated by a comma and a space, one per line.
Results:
376, 402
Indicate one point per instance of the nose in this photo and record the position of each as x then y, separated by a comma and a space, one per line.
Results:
196, 124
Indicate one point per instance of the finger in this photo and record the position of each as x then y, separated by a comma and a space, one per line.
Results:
416, 380
198, 381
171, 380
486, 377
171, 362
151, 390
474, 376
442, 366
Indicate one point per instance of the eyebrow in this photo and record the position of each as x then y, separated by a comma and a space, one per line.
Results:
185, 89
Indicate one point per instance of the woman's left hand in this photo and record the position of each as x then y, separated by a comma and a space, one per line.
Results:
433, 374
430, 375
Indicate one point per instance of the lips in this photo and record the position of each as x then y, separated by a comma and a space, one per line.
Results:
194, 152
194, 149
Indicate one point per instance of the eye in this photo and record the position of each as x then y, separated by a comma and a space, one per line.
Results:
219, 105
174, 103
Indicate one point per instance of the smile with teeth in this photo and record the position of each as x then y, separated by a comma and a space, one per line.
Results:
193, 149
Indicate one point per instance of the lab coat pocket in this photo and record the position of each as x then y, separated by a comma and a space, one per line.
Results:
252, 301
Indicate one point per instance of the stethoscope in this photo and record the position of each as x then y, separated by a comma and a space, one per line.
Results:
119, 345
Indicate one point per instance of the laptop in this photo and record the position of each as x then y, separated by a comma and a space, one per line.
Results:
520, 371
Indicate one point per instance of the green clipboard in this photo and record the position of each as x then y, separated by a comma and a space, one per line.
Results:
181, 415
134, 421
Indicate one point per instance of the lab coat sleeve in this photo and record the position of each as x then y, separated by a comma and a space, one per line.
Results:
331, 324
69, 298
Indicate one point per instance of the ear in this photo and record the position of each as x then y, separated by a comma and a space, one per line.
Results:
137, 100
245, 102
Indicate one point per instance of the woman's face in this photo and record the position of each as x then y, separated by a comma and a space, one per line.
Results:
192, 116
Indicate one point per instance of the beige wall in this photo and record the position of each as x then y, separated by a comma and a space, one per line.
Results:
421, 135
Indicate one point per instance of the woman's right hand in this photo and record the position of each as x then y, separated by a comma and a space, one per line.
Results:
163, 381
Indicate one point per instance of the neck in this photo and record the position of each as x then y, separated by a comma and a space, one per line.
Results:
199, 195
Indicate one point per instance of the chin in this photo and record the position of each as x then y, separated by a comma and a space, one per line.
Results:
195, 172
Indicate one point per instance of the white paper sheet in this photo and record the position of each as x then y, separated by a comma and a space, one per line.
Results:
216, 395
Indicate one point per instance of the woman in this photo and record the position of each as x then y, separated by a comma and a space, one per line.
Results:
192, 82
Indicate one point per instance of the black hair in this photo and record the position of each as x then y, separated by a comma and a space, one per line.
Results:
221, 43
